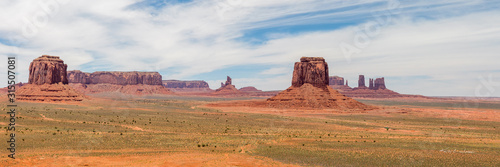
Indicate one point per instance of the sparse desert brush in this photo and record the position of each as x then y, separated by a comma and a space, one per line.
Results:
352, 140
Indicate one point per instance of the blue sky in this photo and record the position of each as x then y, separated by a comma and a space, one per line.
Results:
435, 48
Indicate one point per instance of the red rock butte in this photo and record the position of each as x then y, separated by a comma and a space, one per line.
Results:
48, 82
376, 88
47, 70
227, 88
187, 87
310, 89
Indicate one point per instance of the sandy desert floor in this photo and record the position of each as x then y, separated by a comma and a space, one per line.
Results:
207, 131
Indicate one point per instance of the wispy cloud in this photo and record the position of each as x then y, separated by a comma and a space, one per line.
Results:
187, 38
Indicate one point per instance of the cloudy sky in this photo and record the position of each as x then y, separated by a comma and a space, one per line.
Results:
428, 47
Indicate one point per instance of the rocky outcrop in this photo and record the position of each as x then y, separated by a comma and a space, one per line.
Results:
47, 70
187, 86
310, 89
379, 84
336, 80
376, 89
227, 88
229, 81
138, 83
115, 78
361, 81
48, 82
78, 76
312, 70
250, 89
370, 83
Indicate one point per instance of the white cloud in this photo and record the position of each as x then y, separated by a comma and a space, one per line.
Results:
200, 37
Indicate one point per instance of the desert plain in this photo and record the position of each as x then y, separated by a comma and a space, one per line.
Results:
114, 129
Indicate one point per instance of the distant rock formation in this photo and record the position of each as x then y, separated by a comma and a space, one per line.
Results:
336, 80
375, 89
48, 82
250, 89
186, 86
370, 84
5, 90
379, 84
361, 81
134, 82
310, 89
115, 78
227, 88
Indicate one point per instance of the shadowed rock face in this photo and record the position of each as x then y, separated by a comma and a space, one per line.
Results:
115, 78
47, 70
312, 70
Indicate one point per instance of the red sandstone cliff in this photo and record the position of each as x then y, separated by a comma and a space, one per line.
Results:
47, 70
115, 78
124, 82
312, 70
48, 82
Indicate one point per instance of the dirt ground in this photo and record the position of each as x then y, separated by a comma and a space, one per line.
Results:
326, 123
165, 159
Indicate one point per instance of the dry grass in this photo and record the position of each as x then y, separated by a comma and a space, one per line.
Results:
147, 128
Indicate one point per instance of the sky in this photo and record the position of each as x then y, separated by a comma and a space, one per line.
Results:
427, 47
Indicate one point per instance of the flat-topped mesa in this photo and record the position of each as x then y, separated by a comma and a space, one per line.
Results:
176, 84
336, 80
312, 70
47, 70
116, 78
250, 89
78, 76
379, 83
134, 82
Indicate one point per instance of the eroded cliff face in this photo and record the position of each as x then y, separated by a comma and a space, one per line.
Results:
227, 88
310, 89
47, 70
48, 82
361, 81
139, 83
115, 78
379, 83
311, 70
